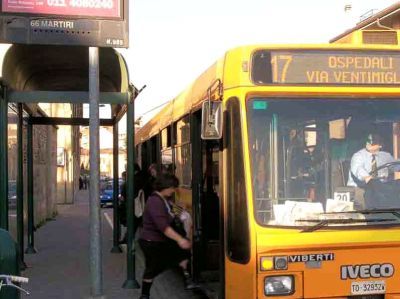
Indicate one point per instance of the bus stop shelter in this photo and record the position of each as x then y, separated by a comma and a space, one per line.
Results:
34, 74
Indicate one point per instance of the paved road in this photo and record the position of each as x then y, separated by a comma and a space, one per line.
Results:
60, 269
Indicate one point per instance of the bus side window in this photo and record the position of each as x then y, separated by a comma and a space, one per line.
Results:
238, 238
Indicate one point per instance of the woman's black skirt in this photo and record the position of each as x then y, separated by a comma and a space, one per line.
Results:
161, 256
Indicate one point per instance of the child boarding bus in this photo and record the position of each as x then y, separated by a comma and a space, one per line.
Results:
263, 144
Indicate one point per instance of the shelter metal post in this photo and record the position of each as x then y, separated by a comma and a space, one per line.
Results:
131, 282
31, 238
4, 160
95, 252
29, 148
20, 188
116, 222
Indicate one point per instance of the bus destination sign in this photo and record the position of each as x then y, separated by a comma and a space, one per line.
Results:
326, 67
80, 8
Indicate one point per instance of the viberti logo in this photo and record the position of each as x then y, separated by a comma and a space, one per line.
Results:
318, 257
366, 271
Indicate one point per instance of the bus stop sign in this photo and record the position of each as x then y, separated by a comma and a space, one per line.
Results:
95, 23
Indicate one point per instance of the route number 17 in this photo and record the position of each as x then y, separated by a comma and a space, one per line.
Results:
280, 65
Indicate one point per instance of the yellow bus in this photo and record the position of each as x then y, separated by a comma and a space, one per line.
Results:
262, 143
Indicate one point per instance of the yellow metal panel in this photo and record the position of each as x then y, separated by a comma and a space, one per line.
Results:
245, 284
165, 116
325, 280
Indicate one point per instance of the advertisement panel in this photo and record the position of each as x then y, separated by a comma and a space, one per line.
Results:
95, 23
81, 8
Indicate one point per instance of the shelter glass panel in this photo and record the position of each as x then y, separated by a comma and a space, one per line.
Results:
12, 169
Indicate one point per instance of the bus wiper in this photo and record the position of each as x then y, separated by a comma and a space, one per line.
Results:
325, 222
394, 212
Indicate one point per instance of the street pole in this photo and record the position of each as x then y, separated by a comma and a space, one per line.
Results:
4, 160
95, 254
20, 188
31, 238
131, 282
116, 231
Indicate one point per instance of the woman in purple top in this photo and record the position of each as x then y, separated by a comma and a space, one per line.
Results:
162, 246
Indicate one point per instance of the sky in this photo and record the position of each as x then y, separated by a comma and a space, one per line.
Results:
173, 42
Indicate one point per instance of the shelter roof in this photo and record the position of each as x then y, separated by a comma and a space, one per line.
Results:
60, 74
62, 68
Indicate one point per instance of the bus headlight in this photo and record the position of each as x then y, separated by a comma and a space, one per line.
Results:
279, 285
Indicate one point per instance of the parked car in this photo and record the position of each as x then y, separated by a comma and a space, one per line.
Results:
107, 196
107, 191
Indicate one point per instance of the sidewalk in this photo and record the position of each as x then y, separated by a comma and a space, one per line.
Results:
60, 269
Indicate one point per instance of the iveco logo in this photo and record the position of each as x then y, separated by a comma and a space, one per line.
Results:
367, 271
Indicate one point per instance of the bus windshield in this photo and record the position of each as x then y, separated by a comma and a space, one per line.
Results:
311, 161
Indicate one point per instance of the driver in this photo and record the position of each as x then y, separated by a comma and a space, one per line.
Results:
379, 193
366, 159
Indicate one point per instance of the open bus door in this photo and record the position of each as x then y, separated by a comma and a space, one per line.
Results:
207, 245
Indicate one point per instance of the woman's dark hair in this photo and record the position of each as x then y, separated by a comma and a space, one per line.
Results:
164, 181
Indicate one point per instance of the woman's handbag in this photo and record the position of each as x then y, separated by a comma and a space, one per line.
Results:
178, 226
139, 204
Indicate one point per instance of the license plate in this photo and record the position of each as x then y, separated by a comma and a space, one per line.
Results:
368, 287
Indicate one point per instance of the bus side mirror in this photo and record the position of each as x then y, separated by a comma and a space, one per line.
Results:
211, 120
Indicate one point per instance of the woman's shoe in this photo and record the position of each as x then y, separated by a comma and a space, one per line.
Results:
144, 297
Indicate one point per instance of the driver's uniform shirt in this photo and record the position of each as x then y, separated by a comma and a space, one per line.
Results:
361, 164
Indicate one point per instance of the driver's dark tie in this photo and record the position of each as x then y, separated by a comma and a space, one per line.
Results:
374, 167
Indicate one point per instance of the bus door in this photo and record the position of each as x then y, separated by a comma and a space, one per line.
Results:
210, 203
206, 209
